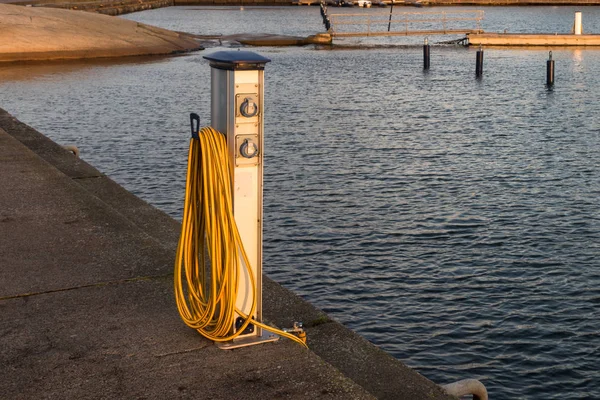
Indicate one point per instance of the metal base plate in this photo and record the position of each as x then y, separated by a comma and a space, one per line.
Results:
266, 337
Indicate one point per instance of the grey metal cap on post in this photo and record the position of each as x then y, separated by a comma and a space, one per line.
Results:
237, 60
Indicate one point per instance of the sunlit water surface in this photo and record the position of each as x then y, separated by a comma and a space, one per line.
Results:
452, 221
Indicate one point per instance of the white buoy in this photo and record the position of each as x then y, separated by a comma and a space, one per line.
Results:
465, 387
577, 26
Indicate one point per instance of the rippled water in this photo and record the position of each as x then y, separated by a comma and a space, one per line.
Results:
452, 221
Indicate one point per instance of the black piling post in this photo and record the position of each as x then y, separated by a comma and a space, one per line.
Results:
550, 71
390, 20
426, 55
479, 62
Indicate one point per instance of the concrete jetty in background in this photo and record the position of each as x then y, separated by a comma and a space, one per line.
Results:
39, 33
575, 38
532, 39
87, 307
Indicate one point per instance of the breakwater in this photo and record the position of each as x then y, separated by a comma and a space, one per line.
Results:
35, 33
108, 7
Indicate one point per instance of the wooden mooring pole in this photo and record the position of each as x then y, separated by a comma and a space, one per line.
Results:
479, 62
390, 20
426, 55
550, 71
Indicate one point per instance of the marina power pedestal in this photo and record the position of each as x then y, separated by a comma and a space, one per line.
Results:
237, 109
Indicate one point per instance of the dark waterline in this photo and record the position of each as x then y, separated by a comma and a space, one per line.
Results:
452, 221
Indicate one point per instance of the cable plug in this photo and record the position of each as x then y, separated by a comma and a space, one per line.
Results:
297, 331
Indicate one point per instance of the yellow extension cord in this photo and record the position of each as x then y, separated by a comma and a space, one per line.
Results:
210, 239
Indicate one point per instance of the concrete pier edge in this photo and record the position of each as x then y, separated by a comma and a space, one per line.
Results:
377, 372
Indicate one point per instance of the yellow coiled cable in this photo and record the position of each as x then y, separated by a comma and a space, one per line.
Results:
210, 241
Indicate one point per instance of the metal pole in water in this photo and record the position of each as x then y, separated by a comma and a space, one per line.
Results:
577, 26
426, 55
550, 71
390, 20
479, 62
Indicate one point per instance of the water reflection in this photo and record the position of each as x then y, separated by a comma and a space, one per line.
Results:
577, 56
32, 70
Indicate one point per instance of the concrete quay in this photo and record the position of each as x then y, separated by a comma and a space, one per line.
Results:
39, 33
87, 308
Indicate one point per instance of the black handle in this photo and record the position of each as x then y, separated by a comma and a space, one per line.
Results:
195, 127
